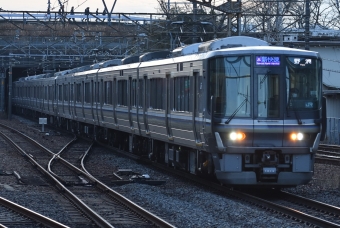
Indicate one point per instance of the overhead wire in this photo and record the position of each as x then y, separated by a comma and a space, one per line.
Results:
80, 4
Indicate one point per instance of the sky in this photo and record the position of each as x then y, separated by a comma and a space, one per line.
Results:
126, 6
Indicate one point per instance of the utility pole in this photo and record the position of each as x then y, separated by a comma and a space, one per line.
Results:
194, 6
10, 92
48, 6
307, 16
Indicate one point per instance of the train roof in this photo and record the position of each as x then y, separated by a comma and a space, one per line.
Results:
265, 50
108, 63
229, 45
217, 44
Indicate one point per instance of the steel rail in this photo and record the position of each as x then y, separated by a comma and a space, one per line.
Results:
31, 214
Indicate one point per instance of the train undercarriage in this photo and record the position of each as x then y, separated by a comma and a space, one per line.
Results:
179, 157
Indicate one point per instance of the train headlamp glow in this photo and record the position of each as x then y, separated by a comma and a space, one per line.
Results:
296, 136
237, 136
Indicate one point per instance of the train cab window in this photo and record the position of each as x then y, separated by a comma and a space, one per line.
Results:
268, 95
230, 86
303, 77
182, 94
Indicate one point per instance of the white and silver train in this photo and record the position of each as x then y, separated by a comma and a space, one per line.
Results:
236, 108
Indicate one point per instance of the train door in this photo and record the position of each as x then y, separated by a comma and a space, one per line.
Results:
268, 111
42, 97
195, 113
62, 91
83, 98
167, 107
131, 102
71, 99
145, 103
101, 100
114, 101
93, 99
97, 101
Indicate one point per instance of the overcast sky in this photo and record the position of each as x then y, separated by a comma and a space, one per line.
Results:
127, 6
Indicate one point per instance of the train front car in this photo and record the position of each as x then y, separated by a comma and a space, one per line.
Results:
267, 115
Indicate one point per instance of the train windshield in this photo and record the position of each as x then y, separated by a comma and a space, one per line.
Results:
303, 80
230, 79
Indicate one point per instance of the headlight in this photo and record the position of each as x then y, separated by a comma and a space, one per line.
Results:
237, 136
296, 136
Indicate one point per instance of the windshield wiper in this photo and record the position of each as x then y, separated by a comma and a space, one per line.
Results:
296, 113
236, 110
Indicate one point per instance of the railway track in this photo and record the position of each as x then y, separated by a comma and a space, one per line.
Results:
41, 156
303, 209
274, 205
113, 207
15, 215
299, 209
328, 154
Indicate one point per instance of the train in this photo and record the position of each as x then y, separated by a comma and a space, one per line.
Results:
235, 109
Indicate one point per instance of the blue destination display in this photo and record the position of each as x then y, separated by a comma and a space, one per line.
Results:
268, 60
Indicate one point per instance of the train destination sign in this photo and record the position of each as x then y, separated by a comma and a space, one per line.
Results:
267, 60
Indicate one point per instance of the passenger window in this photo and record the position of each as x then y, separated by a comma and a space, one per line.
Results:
157, 88
182, 94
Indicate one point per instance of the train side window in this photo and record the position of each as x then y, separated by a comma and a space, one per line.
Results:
96, 92
140, 93
122, 93
133, 100
179, 66
182, 94
157, 88
60, 92
87, 93
48, 96
65, 92
78, 92
71, 92
108, 92
45, 93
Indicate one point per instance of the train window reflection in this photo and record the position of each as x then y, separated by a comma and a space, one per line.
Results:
182, 94
268, 95
230, 85
303, 77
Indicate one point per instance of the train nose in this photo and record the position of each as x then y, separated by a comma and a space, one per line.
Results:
269, 157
